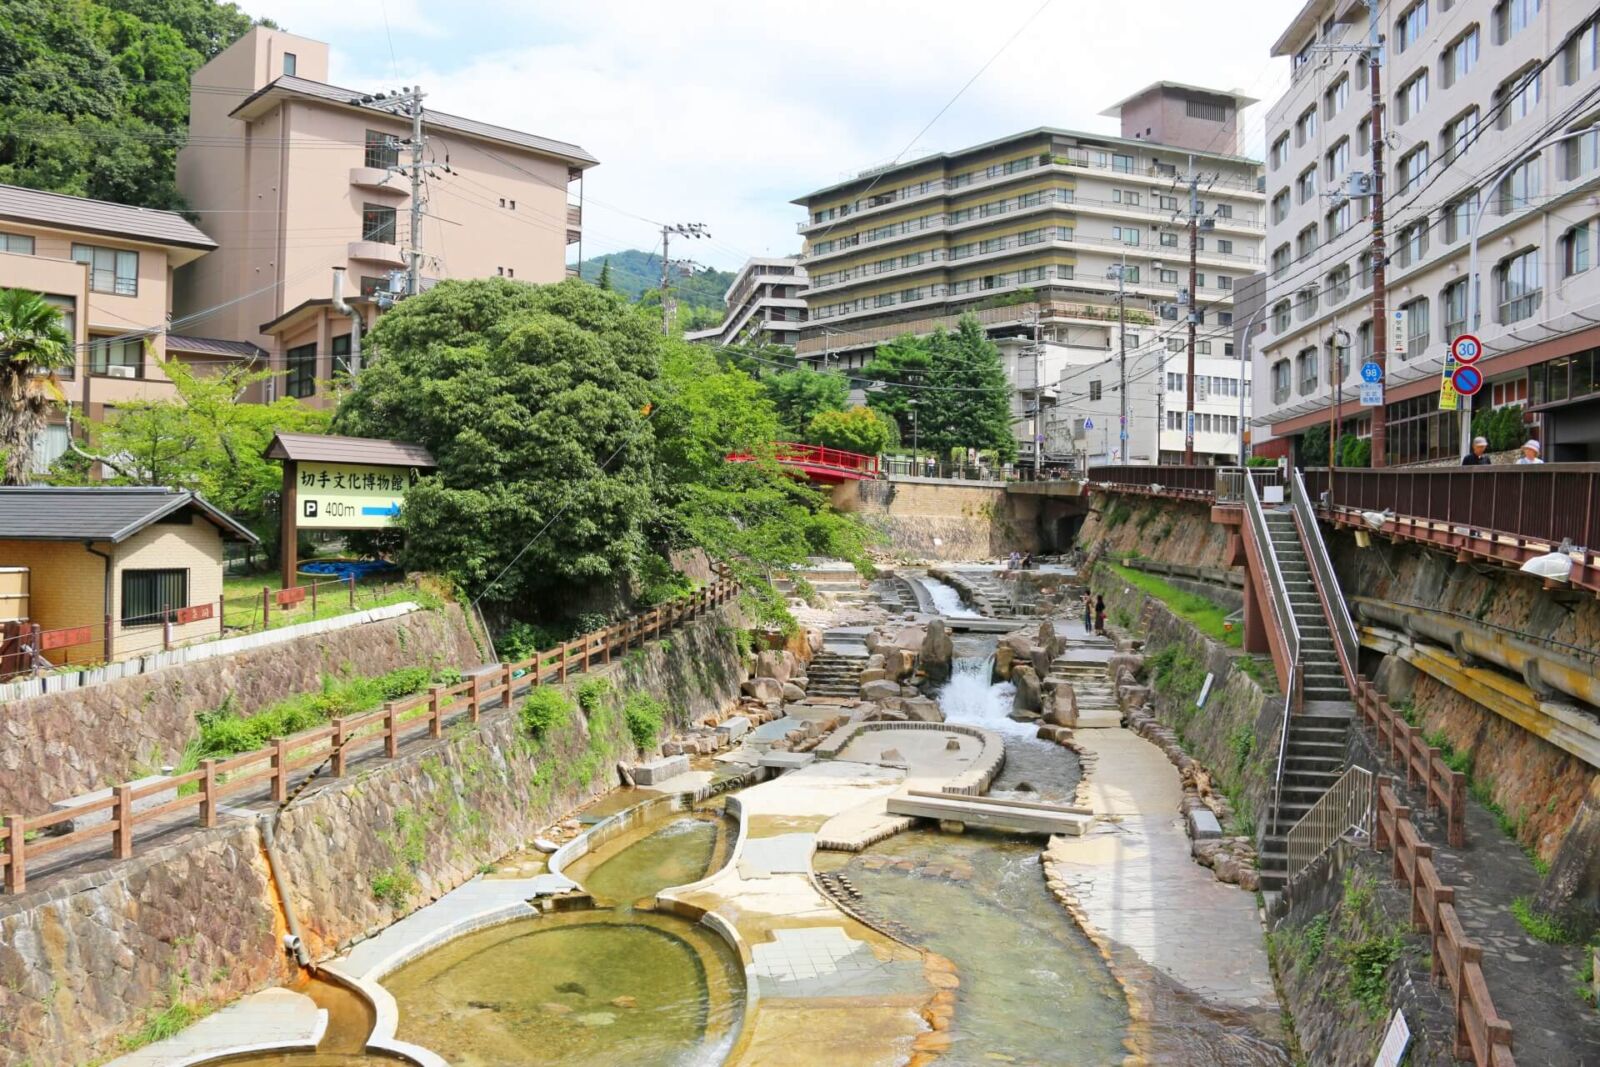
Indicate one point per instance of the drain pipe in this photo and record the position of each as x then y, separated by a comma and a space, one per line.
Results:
355, 320
292, 941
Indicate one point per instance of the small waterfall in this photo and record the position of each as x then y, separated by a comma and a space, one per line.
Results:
946, 600
969, 696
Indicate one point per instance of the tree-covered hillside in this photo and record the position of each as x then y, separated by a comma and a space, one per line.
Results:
94, 96
633, 273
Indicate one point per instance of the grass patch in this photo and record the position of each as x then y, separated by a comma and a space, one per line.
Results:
393, 886
226, 731
544, 709
1175, 671
1546, 928
1367, 963
1242, 742
241, 599
1205, 615
1316, 935
1117, 514
591, 692
645, 715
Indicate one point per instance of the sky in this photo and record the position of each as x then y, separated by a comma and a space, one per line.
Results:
722, 112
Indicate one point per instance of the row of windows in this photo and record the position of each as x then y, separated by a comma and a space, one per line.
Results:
300, 363
1205, 385
1204, 422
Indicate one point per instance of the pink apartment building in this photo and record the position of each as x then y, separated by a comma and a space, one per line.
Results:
293, 177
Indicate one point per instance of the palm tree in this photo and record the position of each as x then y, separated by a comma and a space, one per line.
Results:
33, 346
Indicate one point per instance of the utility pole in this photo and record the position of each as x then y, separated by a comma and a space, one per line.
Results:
1120, 271
1194, 313
407, 101
1038, 398
682, 229
1380, 309
414, 276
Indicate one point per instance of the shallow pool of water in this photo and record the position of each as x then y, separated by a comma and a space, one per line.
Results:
586, 989
684, 847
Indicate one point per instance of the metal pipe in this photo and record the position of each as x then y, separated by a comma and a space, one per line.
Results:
88, 546
292, 941
355, 320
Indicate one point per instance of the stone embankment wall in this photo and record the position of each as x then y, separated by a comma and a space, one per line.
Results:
88, 960
1167, 530
938, 522
63, 744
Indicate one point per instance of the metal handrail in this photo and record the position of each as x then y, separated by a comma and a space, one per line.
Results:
1345, 808
1322, 568
1278, 604
1283, 747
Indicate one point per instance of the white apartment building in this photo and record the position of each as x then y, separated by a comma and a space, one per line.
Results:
765, 302
1477, 95
1023, 232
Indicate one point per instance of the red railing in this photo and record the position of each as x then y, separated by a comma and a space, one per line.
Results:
818, 459
338, 741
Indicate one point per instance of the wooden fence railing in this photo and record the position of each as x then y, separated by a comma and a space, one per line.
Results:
1481, 1035
23, 839
1445, 789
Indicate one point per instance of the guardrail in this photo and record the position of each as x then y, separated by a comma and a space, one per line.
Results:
1333, 603
1225, 485
1345, 808
1283, 621
1403, 744
338, 741
1481, 1034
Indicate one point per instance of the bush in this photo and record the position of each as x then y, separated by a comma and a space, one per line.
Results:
225, 732
404, 682
544, 710
645, 715
1260, 461
1502, 427
591, 692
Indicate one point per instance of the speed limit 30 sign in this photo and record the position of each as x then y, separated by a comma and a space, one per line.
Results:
1466, 348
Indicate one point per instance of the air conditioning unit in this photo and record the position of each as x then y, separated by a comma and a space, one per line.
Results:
118, 371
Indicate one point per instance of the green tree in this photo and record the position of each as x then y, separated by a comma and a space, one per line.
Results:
94, 96
696, 318
34, 345
898, 373
757, 357
800, 395
751, 515
957, 384
204, 438
604, 280
534, 401
858, 430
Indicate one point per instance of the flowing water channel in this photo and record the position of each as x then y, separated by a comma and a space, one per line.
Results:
946, 600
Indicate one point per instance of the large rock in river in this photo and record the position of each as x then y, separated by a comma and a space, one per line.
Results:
937, 653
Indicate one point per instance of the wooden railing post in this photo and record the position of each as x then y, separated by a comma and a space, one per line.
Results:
391, 731
1457, 822
435, 715
337, 760
280, 770
122, 823
508, 678
266, 608
350, 584
16, 848
314, 600
561, 670
208, 792
607, 635
475, 704
222, 616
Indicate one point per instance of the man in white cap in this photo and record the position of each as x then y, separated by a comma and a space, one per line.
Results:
1479, 456
1530, 453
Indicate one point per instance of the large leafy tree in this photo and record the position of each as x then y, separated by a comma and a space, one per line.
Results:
204, 438
897, 378
535, 402
34, 345
956, 383
858, 430
94, 95
801, 395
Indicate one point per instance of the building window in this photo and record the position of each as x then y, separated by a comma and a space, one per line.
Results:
1128, 235
1413, 165
1413, 95
1413, 243
16, 243
1409, 26
1417, 326
1364, 136
1224, 318
1094, 389
1517, 97
1280, 151
300, 379
1225, 246
1306, 364
1336, 98
1305, 242
1519, 188
1454, 299
1338, 160
1364, 269
1458, 216
68, 306
377, 223
341, 354
1455, 136
1575, 251
1364, 342
1580, 155
1458, 58
383, 153
1167, 277
124, 353
1224, 282
1280, 381
111, 270
1513, 16
1280, 261
1305, 302
147, 595
1224, 211
1280, 206
1581, 54
1306, 184
291, 63
1339, 284
1305, 127
1169, 240
1280, 316
1517, 281
1340, 219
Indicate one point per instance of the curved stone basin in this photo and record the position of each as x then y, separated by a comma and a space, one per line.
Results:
658, 848
574, 990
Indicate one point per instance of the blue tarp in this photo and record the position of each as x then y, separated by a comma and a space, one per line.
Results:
344, 568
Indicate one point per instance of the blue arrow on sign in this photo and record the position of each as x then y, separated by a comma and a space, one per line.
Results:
1088, 424
392, 510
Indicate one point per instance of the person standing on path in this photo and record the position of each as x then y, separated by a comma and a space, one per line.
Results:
1530, 453
1100, 615
1479, 456
1088, 613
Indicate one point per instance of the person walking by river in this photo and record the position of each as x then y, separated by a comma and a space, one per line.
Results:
1088, 613
1100, 615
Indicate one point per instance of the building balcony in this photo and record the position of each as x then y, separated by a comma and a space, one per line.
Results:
377, 252
378, 180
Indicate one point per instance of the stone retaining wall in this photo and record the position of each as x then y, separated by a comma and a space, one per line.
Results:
86, 960
933, 521
60, 745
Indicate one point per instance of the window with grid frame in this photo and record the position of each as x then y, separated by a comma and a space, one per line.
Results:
1517, 281
1456, 134
1418, 326
1458, 59
1280, 381
111, 270
1581, 54
1580, 155
1518, 96
1519, 188
1413, 96
148, 595
1513, 16
1575, 253
378, 223
300, 366
105, 353
19, 244
1306, 364
1454, 304
383, 151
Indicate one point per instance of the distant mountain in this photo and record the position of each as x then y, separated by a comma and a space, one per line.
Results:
634, 273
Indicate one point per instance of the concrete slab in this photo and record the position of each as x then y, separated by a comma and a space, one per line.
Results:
1203, 825
276, 1020
733, 729
659, 770
763, 857
1032, 819
786, 761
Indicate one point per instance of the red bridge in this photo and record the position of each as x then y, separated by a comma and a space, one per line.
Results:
829, 466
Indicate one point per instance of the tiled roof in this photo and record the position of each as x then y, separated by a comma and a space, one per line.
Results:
213, 346
99, 513
324, 448
99, 216
431, 118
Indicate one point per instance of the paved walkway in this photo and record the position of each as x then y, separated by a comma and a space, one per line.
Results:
272, 1020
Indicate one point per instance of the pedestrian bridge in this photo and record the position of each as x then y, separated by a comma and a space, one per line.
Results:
993, 813
826, 466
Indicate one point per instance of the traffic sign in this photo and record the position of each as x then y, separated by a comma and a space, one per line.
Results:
1399, 337
1466, 348
1371, 394
1447, 396
1088, 424
1467, 380
1371, 372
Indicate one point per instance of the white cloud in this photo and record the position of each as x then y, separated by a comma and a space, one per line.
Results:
721, 112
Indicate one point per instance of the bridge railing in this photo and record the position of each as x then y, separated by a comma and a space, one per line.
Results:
822, 456
1225, 484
